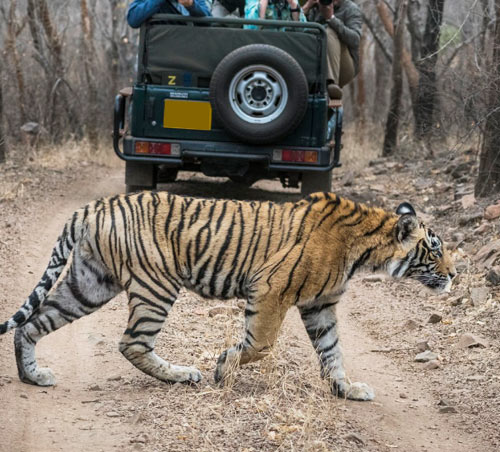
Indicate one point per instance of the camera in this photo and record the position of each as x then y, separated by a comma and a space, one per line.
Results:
326, 2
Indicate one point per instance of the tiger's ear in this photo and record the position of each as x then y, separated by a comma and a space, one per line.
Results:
407, 223
406, 209
405, 226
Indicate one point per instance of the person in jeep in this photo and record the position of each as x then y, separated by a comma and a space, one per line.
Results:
141, 10
228, 8
344, 24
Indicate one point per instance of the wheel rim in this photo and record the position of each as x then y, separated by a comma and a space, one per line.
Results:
258, 94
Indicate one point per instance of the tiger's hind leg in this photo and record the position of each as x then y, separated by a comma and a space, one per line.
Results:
320, 321
86, 287
149, 309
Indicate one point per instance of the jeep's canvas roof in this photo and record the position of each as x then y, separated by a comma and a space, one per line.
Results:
197, 50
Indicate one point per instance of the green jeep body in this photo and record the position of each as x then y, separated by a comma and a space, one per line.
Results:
176, 123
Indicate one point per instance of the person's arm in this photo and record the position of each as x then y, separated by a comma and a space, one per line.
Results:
349, 32
294, 9
141, 10
308, 5
263, 8
199, 8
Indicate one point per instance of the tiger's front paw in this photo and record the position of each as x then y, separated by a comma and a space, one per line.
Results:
353, 391
43, 376
360, 391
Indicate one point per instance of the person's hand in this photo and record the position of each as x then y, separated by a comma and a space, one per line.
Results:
308, 5
186, 3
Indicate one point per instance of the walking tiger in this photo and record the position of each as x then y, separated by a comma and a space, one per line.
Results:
151, 244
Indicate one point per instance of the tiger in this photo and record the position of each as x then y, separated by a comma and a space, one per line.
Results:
275, 255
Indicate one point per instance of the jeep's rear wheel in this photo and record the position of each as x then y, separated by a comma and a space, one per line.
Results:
247, 180
259, 93
139, 176
315, 182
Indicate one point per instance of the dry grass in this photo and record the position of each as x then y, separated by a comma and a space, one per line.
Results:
74, 153
360, 146
28, 167
278, 404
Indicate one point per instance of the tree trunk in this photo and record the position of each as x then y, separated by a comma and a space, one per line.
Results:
361, 91
114, 54
3, 146
392, 124
488, 179
409, 67
484, 25
382, 82
415, 28
425, 104
88, 52
13, 30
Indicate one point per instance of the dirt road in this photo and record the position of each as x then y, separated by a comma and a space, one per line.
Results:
101, 403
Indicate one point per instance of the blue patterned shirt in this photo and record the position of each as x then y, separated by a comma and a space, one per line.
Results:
141, 10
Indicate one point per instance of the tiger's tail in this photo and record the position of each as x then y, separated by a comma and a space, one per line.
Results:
72, 232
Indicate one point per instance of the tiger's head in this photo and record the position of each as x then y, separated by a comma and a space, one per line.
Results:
420, 253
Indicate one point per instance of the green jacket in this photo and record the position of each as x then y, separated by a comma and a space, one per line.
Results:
348, 24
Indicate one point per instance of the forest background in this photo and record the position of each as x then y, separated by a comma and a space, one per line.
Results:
429, 78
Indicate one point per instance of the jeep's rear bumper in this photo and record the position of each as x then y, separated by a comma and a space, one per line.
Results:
189, 150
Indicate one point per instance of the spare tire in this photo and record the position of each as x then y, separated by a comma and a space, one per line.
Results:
259, 93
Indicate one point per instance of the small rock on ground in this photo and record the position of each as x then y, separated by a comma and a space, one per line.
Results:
470, 340
426, 356
447, 409
141, 439
435, 318
355, 438
493, 275
115, 378
492, 212
410, 325
479, 295
431, 365
422, 346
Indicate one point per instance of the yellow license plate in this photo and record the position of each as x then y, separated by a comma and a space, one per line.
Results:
187, 114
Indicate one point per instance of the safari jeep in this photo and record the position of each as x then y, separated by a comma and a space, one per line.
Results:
215, 97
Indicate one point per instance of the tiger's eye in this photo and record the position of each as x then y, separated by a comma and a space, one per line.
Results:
435, 243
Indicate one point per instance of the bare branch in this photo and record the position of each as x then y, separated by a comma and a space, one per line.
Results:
409, 67
377, 38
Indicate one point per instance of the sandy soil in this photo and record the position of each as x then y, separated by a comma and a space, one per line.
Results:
102, 403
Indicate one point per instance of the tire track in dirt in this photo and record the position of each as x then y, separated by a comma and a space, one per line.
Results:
408, 424
78, 415
64, 417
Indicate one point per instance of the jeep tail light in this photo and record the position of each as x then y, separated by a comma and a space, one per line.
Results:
160, 148
142, 147
148, 147
292, 155
311, 157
